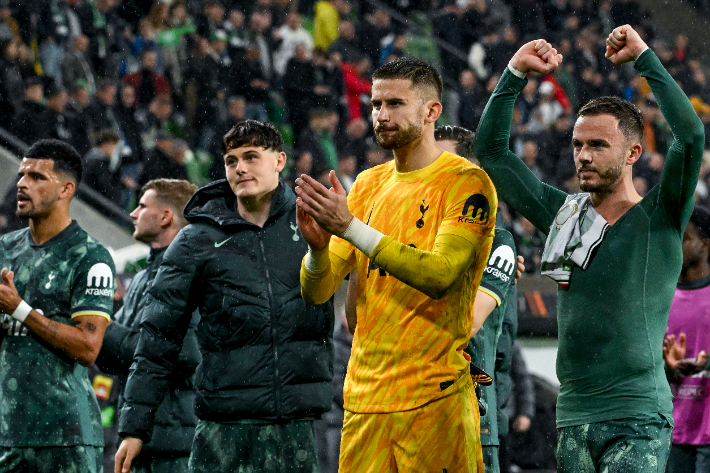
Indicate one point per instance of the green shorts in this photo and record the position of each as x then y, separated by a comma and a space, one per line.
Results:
254, 448
79, 459
171, 465
616, 446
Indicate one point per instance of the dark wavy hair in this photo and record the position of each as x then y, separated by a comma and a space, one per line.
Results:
421, 74
629, 116
66, 159
252, 133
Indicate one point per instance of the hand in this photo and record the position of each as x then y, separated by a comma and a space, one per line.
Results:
329, 208
624, 45
673, 353
521, 423
691, 367
536, 56
520, 269
317, 238
127, 452
9, 297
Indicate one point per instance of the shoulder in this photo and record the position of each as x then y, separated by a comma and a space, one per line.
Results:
89, 251
13, 239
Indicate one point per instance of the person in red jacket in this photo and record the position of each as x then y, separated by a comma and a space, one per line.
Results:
147, 82
354, 75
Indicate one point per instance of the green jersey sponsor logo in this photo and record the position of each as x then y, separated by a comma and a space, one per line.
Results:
99, 281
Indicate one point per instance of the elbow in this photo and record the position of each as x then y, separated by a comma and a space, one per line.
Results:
311, 299
87, 359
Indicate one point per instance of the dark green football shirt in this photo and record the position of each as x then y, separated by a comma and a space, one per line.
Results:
497, 279
46, 399
612, 318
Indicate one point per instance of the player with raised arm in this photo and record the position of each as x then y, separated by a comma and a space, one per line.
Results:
615, 255
418, 230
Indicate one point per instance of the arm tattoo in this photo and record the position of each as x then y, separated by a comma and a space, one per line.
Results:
90, 327
52, 331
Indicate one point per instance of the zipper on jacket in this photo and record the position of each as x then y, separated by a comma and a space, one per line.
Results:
272, 306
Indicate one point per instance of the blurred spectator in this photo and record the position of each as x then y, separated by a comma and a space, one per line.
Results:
236, 33
530, 242
102, 166
252, 84
31, 120
473, 98
547, 110
347, 171
100, 108
75, 64
210, 19
375, 156
125, 113
372, 32
317, 139
291, 34
325, 23
259, 38
154, 120
529, 156
57, 23
347, 43
8, 26
76, 106
9, 222
147, 82
299, 88
166, 160
60, 123
302, 164
357, 83
11, 82
329, 87
354, 142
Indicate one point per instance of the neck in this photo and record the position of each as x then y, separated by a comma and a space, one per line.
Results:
165, 237
43, 229
614, 203
697, 272
416, 155
255, 209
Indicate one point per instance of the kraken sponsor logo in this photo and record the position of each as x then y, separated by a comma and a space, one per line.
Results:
99, 282
480, 210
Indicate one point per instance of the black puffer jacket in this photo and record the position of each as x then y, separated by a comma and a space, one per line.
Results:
265, 354
175, 420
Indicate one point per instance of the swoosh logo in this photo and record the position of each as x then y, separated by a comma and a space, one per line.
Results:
217, 245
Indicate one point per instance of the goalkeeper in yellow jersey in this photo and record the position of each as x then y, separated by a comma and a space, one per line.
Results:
418, 230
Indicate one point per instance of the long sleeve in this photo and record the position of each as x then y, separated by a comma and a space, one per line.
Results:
515, 183
680, 173
165, 320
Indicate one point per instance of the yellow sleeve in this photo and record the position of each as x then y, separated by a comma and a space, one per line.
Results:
431, 272
317, 288
468, 222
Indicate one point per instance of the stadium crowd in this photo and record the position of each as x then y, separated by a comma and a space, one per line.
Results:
146, 90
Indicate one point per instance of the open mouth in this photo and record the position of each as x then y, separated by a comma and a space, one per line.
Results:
22, 199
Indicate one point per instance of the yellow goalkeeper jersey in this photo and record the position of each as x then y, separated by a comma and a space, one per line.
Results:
408, 347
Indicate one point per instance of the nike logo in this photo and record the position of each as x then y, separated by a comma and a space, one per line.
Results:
217, 245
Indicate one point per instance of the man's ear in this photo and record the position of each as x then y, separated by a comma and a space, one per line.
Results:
280, 161
434, 109
167, 218
635, 153
68, 189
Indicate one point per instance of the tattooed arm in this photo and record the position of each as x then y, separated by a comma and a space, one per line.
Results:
81, 342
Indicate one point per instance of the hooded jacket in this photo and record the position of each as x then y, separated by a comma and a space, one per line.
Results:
266, 355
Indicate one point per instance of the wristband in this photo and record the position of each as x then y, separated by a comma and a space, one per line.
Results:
317, 261
362, 236
21, 312
516, 72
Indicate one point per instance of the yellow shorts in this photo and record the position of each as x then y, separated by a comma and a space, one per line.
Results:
442, 436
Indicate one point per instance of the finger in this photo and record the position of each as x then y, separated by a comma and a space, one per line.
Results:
6, 279
544, 49
681, 341
118, 460
311, 200
339, 189
315, 185
539, 43
702, 358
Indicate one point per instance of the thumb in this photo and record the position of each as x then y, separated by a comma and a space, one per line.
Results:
337, 186
7, 277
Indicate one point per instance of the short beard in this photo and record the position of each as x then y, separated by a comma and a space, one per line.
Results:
400, 138
607, 180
